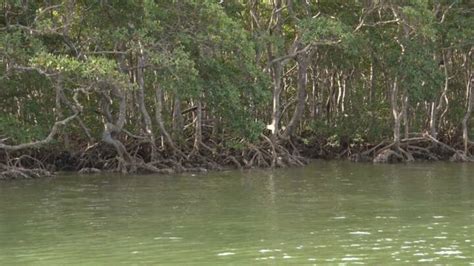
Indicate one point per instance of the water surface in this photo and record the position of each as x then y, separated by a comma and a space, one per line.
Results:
325, 213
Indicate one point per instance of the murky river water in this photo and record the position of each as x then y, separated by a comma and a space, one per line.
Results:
325, 213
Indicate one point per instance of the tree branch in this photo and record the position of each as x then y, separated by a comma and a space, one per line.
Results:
36, 144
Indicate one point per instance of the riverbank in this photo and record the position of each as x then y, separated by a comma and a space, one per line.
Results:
101, 157
138, 158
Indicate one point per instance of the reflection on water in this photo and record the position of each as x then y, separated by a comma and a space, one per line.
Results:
328, 212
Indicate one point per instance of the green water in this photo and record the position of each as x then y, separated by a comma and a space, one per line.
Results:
325, 213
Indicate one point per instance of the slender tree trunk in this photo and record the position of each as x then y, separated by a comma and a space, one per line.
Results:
343, 97
442, 99
141, 103
314, 94
339, 91
330, 103
215, 126
177, 117
444, 96
467, 114
405, 116
433, 131
59, 113
159, 118
396, 114
302, 80
372, 81
277, 71
276, 68
198, 126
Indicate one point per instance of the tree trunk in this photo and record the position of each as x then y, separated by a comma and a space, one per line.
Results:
314, 94
58, 110
405, 116
372, 81
303, 60
141, 103
433, 130
276, 68
112, 129
276, 106
442, 99
467, 115
77, 108
159, 118
198, 126
339, 91
396, 114
330, 103
177, 117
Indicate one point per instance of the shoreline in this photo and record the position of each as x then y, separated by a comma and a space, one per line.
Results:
30, 164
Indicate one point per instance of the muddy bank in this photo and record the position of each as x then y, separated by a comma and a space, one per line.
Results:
138, 159
101, 157
420, 147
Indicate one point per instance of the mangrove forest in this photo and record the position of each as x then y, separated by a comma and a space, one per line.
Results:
166, 86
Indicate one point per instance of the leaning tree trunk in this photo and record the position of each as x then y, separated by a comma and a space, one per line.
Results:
58, 109
159, 119
113, 128
77, 107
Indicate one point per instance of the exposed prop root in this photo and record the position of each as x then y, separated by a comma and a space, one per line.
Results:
281, 156
407, 156
13, 172
388, 156
359, 158
423, 147
85, 171
235, 161
460, 156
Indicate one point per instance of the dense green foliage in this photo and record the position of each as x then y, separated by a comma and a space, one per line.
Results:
218, 71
